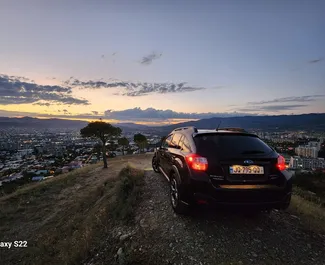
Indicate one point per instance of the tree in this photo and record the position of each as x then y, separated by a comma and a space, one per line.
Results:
124, 142
140, 140
98, 150
102, 131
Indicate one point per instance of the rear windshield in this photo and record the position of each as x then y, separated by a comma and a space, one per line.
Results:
230, 145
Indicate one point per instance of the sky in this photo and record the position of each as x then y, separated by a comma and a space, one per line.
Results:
161, 61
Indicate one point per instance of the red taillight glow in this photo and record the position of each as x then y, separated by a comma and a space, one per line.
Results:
281, 165
197, 162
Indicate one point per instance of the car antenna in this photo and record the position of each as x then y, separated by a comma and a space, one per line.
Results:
218, 126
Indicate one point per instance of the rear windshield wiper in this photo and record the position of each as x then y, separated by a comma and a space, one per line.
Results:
253, 152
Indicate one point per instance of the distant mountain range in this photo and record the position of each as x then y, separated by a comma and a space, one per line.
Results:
315, 122
35, 123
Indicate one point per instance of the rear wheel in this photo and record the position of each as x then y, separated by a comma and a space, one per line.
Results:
155, 165
177, 197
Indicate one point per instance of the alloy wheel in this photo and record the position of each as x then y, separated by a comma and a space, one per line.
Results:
155, 164
173, 192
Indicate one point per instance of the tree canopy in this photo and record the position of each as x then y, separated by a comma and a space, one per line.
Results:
140, 140
103, 131
123, 142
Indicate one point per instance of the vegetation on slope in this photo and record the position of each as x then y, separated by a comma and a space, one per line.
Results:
308, 200
64, 218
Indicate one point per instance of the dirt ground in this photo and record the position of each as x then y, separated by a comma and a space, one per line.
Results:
208, 237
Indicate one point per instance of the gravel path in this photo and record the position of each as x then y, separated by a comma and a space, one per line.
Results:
209, 237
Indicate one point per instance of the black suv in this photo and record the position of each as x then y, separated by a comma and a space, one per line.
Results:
226, 166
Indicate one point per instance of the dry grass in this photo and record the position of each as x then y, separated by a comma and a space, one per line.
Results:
65, 217
312, 214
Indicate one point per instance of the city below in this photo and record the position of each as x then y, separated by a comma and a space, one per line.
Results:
41, 154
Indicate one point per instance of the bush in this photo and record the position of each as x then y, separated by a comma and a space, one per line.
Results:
128, 190
312, 182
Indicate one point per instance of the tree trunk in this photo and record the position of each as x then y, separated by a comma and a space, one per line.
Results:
104, 156
123, 149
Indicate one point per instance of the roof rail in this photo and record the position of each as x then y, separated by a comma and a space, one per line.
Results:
231, 129
186, 128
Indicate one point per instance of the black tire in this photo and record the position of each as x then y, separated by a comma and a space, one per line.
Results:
177, 197
286, 205
155, 164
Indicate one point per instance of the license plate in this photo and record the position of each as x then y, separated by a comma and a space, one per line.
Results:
246, 170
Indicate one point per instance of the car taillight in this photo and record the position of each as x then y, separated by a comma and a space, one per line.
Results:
281, 165
197, 162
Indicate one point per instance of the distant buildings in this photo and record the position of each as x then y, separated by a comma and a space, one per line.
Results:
310, 150
297, 162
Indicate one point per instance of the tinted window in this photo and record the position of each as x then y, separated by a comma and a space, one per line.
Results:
175, 140
230, 145
185, 145
167, 142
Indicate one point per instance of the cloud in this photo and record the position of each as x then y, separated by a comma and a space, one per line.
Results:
138, 114
65, 115
271, 108
132, 89
42, 104
15, 90
148, 59
95, 112
316, 61
288, 99
279, 104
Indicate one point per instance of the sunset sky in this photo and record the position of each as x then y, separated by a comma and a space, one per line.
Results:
151, 61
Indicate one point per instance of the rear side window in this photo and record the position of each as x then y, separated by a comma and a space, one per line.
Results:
175, 141
230, 145
185, 145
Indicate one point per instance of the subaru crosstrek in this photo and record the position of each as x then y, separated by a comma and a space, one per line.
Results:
222, 167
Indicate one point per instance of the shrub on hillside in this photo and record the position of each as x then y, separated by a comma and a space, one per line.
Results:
314, 182
128, 190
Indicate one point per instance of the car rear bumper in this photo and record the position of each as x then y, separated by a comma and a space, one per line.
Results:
262, 197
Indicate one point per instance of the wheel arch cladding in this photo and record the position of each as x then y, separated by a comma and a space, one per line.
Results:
176, 172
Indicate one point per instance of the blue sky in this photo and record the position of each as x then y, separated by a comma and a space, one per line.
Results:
249, 57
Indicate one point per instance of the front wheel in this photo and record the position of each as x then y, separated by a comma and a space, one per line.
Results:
155, 165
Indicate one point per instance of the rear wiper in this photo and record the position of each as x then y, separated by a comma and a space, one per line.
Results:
253, 152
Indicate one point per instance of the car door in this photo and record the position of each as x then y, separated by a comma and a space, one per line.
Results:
163, 150
172, 151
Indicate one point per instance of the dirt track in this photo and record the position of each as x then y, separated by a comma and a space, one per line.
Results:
206, 237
